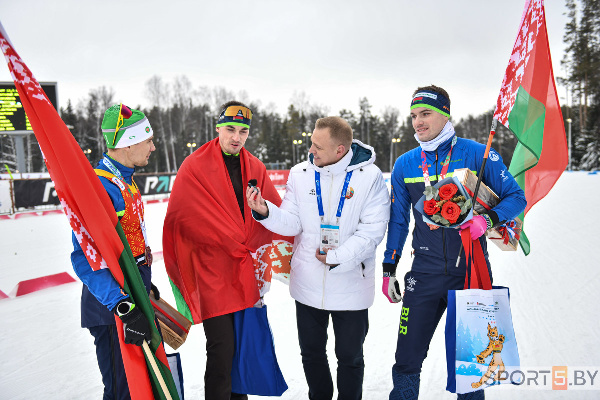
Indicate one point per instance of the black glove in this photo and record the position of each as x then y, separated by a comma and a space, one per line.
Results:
135, 323
155, 290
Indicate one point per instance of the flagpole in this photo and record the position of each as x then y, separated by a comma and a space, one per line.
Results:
156, 370
476, 191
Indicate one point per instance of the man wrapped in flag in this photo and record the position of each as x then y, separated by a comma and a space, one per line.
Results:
128, 136
209, 237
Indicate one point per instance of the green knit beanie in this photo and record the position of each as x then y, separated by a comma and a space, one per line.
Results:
133, 128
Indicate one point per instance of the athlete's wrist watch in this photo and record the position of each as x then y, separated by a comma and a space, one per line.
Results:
124, 307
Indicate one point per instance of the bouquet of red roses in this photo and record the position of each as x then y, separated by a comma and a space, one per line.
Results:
447, 204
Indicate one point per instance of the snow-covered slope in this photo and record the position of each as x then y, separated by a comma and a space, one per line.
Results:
554, 292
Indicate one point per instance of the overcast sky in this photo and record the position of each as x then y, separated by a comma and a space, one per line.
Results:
333, 51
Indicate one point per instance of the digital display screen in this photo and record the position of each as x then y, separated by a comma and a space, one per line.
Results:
12, 113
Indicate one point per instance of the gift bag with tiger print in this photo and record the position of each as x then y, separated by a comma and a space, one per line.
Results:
481, 348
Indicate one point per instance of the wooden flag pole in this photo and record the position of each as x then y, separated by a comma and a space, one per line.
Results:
476, 191
156, 370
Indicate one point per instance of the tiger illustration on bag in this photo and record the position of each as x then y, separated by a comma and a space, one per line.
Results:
494, 347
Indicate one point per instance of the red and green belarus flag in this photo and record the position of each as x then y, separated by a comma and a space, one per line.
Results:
528, 106
94, 222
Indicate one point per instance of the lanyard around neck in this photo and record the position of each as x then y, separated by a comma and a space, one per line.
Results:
342, 196
445, 165
115, 171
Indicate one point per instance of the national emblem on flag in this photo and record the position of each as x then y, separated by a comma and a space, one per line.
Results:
528, 106
95, 224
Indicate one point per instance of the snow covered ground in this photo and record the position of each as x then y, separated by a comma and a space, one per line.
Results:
554, 293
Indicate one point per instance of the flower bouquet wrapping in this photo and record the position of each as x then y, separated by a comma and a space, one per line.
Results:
446, 204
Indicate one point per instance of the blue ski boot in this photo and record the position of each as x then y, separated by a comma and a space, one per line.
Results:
478, 395
406, 387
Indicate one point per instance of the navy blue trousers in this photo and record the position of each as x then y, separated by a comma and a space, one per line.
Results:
425, 300
350, 329
110, 362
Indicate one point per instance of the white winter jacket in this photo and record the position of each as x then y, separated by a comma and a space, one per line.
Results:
350, 285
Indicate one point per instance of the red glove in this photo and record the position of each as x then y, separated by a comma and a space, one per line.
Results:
478, 225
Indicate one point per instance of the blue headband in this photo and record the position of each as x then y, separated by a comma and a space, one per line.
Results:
432, 100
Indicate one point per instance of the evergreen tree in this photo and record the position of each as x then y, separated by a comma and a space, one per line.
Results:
73, 122
351, 119
582, 64
380, 141
477, 128
390, 129
468, 350
364, 131
479, 344
461, 340
181, 115
293, 126
406, 135
8, 153
157, 93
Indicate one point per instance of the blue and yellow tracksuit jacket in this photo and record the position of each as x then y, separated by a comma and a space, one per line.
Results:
436, 251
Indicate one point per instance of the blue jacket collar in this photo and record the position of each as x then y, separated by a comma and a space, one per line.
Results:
125, 171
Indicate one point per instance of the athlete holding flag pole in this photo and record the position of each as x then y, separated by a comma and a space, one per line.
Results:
435, 250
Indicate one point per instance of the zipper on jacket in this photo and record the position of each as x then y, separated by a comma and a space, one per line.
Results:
444, 249
324, 279
443, 230
325, 269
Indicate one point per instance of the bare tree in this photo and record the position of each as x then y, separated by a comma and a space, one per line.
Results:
365, 120
100, 100
182, 96
157, 92
220, 95
203, 95
391, 116
301, 102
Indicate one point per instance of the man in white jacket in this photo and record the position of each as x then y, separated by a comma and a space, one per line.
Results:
337, 206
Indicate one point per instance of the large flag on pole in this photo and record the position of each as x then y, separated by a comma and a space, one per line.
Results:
95, 224
528, 106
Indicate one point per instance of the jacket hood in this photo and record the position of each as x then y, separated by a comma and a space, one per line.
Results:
358, 156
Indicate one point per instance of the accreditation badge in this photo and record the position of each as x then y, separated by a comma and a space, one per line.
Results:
330, 237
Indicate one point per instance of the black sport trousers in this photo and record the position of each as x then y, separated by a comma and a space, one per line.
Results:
350, 329
220, 347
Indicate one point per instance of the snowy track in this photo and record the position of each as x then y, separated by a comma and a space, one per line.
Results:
554, 293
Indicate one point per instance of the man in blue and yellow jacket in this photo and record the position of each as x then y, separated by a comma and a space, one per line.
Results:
435, 251
128, 136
